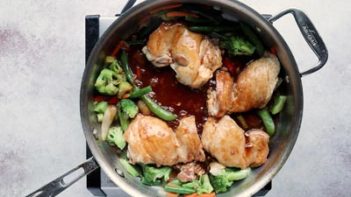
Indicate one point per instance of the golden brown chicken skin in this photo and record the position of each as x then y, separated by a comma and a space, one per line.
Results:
253, 88
152, 141
227, 142
192, 56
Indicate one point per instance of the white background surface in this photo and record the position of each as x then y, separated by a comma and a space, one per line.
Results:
42, 61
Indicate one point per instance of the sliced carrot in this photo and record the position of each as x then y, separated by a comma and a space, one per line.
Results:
169, 194
167, 7
180, 14
201, 195
120, 45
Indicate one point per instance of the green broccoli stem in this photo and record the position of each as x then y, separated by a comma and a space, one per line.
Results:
137, 92
239, 175
157, 109
129, 167
123, 118
175, 187
278, 104
267, 121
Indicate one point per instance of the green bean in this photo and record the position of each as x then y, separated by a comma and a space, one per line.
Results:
137, 92
278, 104
209, 29
267, 121
251, 35
157, 109
126, 68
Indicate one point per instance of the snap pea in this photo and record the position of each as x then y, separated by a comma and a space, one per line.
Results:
278, 104
157, 109
267, 121
126, 68
137, 92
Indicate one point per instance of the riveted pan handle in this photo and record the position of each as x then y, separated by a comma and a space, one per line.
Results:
311, 36
58, 185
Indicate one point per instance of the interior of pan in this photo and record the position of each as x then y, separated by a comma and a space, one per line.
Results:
280, 145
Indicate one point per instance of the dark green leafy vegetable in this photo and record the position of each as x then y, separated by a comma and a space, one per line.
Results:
267, 121
115, 137
251, 35
155, 176
137, 92
237, 46
158, 110
223, 181
131, 169
278, 104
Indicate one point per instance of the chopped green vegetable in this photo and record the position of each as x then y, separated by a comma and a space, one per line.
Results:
129, 107
124, 88
100, 117
107, 82
157, 109
175, 186
155, 176
226, 178
200, 186
237, 46
126, 68
123, 118
109, 59
210, 29
132, 170
267, 121
100, 107
251, 35
278, 104
115, 137
137, 92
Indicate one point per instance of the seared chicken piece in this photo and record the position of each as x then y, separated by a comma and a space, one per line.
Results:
190, 147
253, 88
226, 141
152, 141
192, 56
158, 48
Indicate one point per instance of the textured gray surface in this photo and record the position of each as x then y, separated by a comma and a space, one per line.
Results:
41, 64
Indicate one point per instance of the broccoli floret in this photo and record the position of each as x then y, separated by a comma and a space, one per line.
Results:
129, 107
155, 176
226, 178
115, 137
107, 82
99, 109
205, 185
237, 46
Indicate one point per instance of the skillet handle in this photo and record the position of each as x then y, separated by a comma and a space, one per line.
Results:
58, 185
311, 36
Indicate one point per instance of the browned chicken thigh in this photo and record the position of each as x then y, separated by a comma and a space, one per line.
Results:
253, 88
227, 142
191, 55
152, 141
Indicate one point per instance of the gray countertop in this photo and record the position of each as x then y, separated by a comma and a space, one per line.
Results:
41, 65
